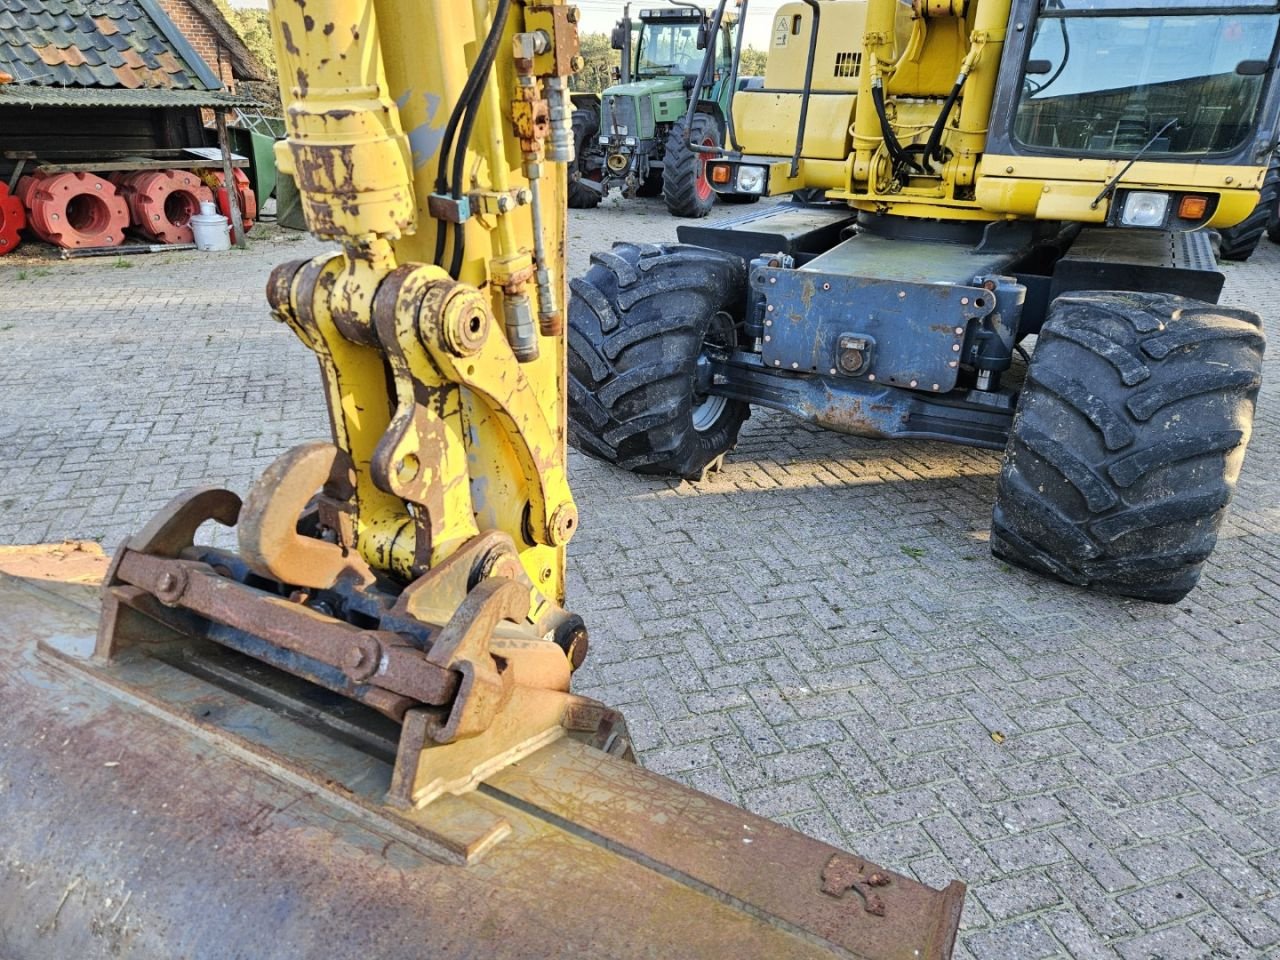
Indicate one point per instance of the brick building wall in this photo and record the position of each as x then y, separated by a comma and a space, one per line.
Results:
201, 36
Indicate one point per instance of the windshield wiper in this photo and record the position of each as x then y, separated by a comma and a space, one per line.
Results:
1111, 184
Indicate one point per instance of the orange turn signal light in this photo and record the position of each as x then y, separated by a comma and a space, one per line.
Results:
1193, 208
720, 173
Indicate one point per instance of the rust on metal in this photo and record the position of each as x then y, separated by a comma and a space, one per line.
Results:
268, 530
758, 862
401, 669
196, 788
843, 872
463, 646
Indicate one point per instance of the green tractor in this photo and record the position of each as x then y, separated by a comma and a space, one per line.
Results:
632, 137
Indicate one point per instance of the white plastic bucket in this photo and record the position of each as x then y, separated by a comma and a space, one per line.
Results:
211, 228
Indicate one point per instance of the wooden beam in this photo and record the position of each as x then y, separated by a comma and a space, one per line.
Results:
233, 195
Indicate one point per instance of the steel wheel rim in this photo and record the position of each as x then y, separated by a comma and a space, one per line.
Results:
707, 409
701, 185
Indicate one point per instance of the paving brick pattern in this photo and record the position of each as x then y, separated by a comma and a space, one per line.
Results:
817, 633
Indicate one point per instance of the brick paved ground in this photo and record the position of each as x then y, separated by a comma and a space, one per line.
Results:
818, 633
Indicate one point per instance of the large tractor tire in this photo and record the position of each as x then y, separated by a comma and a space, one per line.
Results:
1273, 223
1128, 440
586, 125
685, 186
1239, 242
638, 322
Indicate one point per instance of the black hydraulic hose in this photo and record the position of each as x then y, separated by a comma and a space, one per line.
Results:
896, 153
488, 55
463, 113
483, 65
808, 85
933, 148
470, 90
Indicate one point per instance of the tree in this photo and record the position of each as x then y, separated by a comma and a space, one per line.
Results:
254, 27
599, 60
751, 62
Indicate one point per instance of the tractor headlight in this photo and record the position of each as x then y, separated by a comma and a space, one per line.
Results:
630, 141
751, 179
604, 141
1142, 209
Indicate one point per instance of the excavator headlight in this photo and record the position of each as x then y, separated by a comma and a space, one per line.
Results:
1144, 209
751, 179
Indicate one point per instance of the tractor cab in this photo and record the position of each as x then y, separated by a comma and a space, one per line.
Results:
671, 43
624, 134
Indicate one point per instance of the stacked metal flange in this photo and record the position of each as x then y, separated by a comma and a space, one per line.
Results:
12, 219
162, 202
74, 209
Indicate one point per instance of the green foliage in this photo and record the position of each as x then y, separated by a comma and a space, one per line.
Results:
751, 62
600, 59
254, 27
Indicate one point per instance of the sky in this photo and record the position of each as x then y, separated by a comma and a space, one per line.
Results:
599, 16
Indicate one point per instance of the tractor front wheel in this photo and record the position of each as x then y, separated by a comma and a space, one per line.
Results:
640, 322
1128, 440
586, 124
685, 186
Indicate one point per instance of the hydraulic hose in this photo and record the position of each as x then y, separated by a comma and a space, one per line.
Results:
897, 155
933, 148
464, 113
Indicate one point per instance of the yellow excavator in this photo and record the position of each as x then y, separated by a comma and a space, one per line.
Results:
1010, 249
354, 735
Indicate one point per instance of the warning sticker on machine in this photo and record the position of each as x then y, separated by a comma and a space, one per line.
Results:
781, 30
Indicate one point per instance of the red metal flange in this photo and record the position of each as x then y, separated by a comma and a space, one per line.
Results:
248, 202
162, 202
76, 210
12, 219
25, 186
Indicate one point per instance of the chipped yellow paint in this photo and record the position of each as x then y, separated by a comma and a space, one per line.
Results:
368, 87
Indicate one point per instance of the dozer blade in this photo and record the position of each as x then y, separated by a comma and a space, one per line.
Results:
184, 800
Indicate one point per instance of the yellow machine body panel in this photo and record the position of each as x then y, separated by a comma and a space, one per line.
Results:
912, 55
766, 120
1065, 188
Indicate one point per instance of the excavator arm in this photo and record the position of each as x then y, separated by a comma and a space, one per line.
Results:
387, 645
